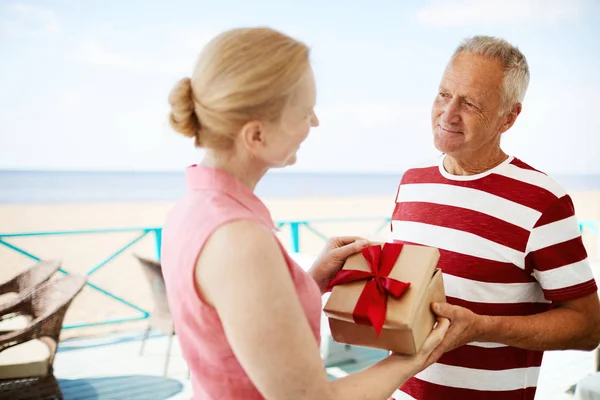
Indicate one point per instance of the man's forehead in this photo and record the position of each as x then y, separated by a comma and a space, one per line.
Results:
474, 75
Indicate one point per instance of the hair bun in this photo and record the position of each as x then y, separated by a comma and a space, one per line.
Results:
182, 117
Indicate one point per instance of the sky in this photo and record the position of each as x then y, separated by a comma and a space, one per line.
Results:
84, 85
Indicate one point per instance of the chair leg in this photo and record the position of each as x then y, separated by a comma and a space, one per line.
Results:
52, 387
146, 334
168, 353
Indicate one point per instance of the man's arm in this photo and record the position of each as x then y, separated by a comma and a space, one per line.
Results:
557, 259
573, 324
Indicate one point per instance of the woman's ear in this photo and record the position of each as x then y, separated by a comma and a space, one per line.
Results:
253, 135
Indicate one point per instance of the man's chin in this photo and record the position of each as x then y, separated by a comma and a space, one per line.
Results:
439, 146
445, 146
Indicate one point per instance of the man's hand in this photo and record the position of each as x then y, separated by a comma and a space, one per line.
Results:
569, 325
465, 327
333, 256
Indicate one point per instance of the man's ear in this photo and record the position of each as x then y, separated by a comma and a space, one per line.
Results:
511, 117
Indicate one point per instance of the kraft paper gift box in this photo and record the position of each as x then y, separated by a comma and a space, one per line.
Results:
382, 297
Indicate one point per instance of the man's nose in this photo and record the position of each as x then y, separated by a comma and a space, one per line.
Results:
451, 112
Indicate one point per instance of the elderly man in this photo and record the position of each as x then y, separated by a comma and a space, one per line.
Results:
516, 273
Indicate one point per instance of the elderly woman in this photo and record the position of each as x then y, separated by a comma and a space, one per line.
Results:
246, 314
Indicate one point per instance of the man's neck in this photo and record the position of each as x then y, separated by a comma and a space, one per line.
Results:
473, 165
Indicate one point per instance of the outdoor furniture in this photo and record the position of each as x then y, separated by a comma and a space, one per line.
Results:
27, 355
21, 284
160, 317
29, 279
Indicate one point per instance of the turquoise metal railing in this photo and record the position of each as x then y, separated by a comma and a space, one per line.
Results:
143, 232
592, 226
295, 228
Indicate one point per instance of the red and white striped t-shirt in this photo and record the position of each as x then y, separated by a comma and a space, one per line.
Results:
510, 245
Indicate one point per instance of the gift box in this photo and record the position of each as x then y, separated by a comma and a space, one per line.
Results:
382, 297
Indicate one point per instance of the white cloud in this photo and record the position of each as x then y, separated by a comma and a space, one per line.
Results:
97, 53
177, 57
191, 40
29, 21
458, 13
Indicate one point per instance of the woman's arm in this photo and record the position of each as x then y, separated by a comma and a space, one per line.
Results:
242, 273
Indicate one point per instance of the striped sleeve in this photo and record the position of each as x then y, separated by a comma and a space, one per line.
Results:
556, 255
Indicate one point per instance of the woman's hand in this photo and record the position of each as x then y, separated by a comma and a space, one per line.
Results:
427, 355
333, 256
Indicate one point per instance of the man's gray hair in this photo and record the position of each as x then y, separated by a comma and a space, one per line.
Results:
516, 69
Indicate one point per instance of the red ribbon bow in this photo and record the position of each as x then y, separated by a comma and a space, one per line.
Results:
371, 307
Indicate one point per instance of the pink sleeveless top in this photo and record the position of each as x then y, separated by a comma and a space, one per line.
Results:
215, 198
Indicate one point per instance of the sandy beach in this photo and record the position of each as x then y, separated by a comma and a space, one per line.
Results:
123, 276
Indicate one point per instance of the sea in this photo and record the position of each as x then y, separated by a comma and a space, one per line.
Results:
54, 187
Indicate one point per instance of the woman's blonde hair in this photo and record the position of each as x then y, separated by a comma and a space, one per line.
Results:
242, 75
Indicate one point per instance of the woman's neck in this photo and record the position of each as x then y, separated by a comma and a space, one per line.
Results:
244, 170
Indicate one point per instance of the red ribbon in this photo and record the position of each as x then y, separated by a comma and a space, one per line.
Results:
371, 307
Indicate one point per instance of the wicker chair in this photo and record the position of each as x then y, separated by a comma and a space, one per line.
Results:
29, 279
160, 317
27, 355
20, 285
